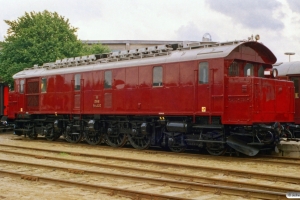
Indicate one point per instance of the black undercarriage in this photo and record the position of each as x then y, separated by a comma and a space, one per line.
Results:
174, 133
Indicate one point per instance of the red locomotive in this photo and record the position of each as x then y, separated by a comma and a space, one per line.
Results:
207, 95
4, 91
290, 71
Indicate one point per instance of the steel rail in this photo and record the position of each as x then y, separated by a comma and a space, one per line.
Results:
194, 178
111, 190
240, 173
262, 159
238, 191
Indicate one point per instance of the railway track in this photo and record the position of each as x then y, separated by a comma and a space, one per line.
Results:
272, 177
179, 187
190, 182
192, 154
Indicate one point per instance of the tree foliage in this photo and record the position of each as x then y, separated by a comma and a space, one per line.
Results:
94, 49
37, 38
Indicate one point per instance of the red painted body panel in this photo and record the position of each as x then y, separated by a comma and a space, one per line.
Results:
255, 100
237, 100
297, 111
290, 71
5, 99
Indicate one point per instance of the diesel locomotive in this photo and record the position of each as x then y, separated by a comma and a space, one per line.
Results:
207, 95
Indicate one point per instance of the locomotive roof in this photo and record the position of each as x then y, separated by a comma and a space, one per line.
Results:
200, 52
288, 68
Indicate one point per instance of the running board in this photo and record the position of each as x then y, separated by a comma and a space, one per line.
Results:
241, 146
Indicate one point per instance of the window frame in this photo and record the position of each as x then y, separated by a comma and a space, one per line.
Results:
77, 82
107, 82
21, 86
261, 71
249, 69
234, 69
203, 73
44, 85
157, 76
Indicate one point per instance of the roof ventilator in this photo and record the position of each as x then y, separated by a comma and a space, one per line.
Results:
151, 51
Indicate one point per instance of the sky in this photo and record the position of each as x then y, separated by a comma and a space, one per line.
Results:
276, 21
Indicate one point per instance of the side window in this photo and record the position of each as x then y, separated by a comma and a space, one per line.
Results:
108, 79
157, 76
296, 84
203, 73
233, 69
248, 69
77, 82
44, 85
21, 87
261, 71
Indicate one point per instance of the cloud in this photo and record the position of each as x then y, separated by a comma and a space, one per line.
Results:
294, 5
189, 32
251, 13
192, 32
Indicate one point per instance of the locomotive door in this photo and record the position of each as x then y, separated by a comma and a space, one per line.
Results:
203, 89
32, 95
78, 85
238, 94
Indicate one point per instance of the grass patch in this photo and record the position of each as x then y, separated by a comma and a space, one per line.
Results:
63, 154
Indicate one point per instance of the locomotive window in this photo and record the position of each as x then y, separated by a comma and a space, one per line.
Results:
233, 69
77, 82
261, 71
107, 79
203, 73
157, 76
21, 87
248, 69
44, 85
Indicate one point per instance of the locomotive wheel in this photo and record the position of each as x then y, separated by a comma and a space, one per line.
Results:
116, 140
288, 134
177, 149
53, 136
175, 144
30, 131
73, 137
140, 141
215, 149
93, 138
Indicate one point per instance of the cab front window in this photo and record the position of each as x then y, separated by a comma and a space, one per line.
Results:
233, 69
249, 70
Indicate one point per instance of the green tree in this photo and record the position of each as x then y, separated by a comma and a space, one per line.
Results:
37, 38
94, 49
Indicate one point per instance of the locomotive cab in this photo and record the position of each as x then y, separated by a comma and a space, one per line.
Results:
255, 98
